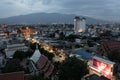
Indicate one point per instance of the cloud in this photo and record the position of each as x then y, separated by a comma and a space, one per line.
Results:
104, 9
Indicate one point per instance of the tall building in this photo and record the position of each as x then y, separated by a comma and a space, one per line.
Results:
79, 24
83, 24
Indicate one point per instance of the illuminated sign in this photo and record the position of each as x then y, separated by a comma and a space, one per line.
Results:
102, 67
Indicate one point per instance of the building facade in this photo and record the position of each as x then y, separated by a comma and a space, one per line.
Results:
102, 67
10, 50
79, 24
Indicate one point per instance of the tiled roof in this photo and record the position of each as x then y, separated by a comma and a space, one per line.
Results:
50, 70
12, 76
42, 61
111, 45
45, 65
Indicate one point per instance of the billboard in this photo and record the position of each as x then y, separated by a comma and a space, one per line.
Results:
103, 67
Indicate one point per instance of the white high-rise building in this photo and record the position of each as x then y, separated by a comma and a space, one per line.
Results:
79, 24
76, 24
83, 24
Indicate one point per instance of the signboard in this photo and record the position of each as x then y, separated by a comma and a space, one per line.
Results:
102, 67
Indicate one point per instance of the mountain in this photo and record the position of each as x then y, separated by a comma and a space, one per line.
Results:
46, 18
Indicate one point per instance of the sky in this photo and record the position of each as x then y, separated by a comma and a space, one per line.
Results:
102, 9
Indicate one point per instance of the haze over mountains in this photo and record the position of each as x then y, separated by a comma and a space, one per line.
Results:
46, 18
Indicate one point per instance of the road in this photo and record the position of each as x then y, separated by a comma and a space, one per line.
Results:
59, 54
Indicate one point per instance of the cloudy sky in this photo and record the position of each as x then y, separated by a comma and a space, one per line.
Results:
103, 9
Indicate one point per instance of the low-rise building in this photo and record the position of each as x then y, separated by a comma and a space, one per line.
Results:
42, 64
10, 50
108, 46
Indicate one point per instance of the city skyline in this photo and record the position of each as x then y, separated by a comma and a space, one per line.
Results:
100, 9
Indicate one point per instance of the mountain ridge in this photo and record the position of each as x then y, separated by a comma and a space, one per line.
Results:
47, 18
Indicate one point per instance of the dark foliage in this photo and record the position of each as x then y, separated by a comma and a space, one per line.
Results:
72, 69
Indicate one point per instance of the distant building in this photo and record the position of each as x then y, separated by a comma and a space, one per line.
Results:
57, 35
79, 24
10, 50
27, 31
108, 46
82, 54
2, 58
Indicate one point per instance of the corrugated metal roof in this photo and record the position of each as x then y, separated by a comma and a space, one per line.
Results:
83, 54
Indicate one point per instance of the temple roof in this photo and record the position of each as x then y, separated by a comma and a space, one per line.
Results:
36, 55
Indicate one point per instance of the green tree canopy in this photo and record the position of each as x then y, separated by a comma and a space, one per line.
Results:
72, 69
33, 46
29, 53
62, 36
46, 53
12, 65
19, 55
114, 55
71, 38
40, 76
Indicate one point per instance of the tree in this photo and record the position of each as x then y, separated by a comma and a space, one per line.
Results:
114, 55
72, 69
46, 53
106, 33
90, 44
40, 76
29, 53
12, 65
19, 55
52, 35
71, 37
33, 46
62, 36
78, 46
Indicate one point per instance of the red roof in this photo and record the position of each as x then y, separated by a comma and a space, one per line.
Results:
26, 77
42, 61
12, 76
50, 70
45, 65
111, 45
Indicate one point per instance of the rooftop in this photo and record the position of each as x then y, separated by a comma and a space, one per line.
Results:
36, 55
12, 76
83, 54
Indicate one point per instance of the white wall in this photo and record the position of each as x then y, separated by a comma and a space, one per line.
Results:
79, 25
